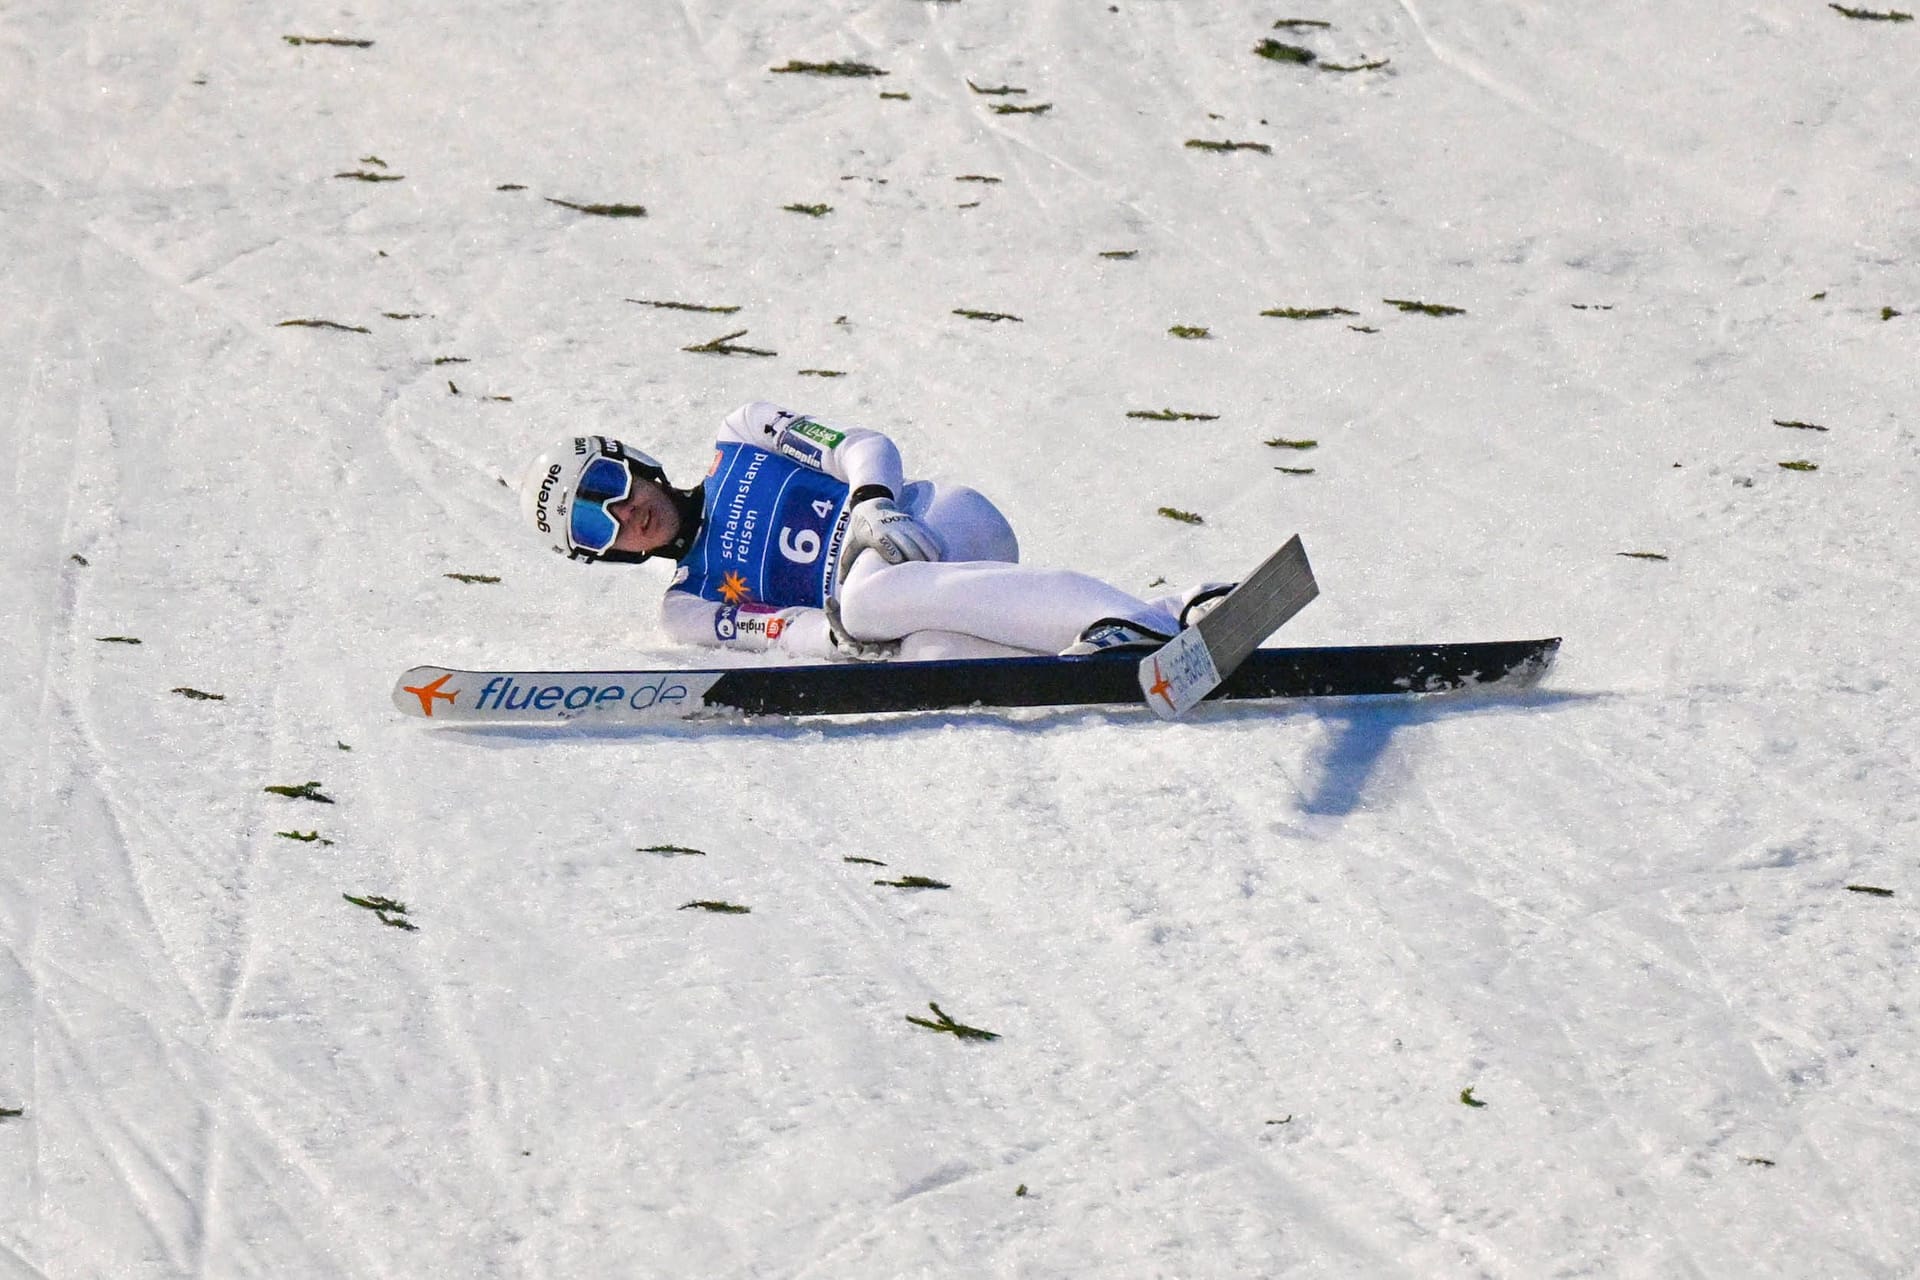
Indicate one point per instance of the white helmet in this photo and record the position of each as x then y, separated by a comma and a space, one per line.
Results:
566, 490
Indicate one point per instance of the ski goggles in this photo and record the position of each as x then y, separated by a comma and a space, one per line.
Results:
590, 526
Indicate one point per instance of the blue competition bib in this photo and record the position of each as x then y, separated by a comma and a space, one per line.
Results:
772, 531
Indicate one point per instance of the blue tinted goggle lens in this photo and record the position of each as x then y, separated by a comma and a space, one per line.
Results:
590, 526
605, 480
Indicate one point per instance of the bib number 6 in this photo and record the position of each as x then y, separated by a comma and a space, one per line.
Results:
801, 547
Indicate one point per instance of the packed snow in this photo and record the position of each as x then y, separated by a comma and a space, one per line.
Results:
1611, 976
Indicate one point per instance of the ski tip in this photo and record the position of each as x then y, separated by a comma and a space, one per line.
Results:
1525, 670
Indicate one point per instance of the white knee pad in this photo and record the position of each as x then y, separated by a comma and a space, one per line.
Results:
967, 522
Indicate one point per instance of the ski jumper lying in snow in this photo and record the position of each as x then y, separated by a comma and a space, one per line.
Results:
806, 538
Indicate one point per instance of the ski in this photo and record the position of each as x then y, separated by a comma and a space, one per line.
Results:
1188, 667
587, 698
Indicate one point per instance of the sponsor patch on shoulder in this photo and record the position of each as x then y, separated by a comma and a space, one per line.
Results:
814, 431
804, 451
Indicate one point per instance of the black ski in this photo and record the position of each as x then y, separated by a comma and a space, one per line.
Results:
624, 697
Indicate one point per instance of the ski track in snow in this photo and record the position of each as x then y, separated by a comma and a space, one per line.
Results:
1242, 966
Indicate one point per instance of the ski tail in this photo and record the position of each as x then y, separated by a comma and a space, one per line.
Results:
1192, 665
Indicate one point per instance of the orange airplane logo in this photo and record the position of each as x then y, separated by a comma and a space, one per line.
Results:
734, 588
428, 692
1160, 683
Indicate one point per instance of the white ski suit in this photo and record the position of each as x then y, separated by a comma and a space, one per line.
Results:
776, 504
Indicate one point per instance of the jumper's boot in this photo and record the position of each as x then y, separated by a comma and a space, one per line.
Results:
1114, 635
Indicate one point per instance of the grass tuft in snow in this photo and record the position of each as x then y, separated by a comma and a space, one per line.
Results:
1307, 313
864, 862
302, 791
481, 578
1190, 331
1466, 1096
1281, 442
724, 346
843, 70
811, 210
1870, 15
1276, 51
958, 1030
1184, 517
304, 837
118, 639
392, 914
715, 906
1888, 313
1205, 144
322, 324
684, 306
1873, 890
601, 210
821, 373
672, 850
367, 175
998, 91
1015, 109
1298, 55
337, 42
1799, 464
1171, 415
1295, 471
1413, 307
914, 882
1798, 426
991, 317
1120, 255
198, 695
14, 1113
1642, 555
1302, 24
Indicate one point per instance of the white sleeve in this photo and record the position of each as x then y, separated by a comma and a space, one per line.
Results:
853, 454
797, 632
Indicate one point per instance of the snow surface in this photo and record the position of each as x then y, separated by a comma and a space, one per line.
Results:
1243, 966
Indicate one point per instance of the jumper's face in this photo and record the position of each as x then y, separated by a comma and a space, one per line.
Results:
648, 519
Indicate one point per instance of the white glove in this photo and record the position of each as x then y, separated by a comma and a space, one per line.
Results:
846, 646
883, 527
